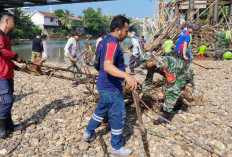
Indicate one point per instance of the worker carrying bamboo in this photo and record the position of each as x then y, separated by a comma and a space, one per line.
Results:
168, 44
182, 45
201, 51
219, 44
228, 38
177, 74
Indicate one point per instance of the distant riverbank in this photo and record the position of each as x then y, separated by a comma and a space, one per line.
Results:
53, 49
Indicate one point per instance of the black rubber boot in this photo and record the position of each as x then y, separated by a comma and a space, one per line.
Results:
10, 125
166, 115
3, 132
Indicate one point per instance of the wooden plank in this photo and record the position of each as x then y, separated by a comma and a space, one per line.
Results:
215, 13
208, 2
195, 4
177, 10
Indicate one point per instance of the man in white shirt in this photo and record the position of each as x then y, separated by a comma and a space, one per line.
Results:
72, 54
135, 57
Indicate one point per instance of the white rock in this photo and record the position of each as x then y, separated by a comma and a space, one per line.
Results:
3, 151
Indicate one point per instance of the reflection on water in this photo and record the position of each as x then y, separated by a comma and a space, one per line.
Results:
54, 50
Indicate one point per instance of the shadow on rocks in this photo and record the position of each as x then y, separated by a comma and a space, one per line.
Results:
181, 105
21, 96
130, 122
40, 114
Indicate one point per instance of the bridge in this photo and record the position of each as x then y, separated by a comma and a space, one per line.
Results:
27, 3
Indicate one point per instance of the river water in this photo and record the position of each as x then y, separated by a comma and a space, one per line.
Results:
54, 50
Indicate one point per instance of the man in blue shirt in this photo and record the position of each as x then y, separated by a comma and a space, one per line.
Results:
183, 43
135, 57
143, 42
111, 76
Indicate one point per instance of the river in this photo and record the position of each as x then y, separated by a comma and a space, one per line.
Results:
52, 49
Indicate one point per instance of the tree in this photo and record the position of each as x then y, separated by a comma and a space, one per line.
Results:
94, 21
23, 29
66, 21
64, 16
59, 12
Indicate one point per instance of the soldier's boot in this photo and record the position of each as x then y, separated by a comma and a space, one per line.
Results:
3, 132
165, 115
221, 56
216, 56
11, 126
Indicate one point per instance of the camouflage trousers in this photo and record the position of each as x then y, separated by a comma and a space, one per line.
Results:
227, 43
173, 92
88, 55
219, 53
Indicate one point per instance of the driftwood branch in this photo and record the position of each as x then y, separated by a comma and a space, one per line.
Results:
66, 78
59, 68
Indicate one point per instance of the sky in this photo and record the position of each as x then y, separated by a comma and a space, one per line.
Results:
132, 8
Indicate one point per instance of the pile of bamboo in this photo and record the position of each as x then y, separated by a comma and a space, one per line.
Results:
203, 35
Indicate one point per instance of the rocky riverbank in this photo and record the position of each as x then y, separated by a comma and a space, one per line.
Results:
55, 115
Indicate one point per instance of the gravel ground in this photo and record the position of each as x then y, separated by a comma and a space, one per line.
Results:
55, 115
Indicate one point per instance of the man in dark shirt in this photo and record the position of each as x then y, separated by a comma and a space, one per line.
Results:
109, 84
7, 68
37, 47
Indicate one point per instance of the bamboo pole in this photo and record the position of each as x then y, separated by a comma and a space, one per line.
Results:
142, 128
225, 18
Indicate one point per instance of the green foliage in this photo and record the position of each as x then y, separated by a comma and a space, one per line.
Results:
61, 31
65, 20
80, 17
135, 27
24, 29
59, 12
222, 10
94, 21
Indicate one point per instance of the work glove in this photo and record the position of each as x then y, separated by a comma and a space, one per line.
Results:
170, 77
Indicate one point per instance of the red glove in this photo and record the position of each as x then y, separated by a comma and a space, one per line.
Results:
170, 77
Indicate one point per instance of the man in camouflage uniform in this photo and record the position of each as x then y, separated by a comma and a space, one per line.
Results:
177, 74
219, 44
87, 50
